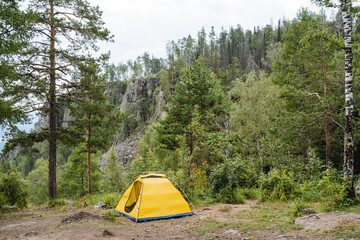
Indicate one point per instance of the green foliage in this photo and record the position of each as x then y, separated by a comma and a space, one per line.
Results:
37, 183
228, 195
144, 165
238, 172
279, 185
12, 190
250, 193
74, 174
332, 187
112, 199
56, 202
2, 201
299, 205
308, 72
196, 89
112, 179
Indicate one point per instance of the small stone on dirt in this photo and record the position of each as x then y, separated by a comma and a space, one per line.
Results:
100, 205
232, 231
9, 209
71, 203
107, 233
282, 237
326, 221
81, 216
207, 208
28, 234
308, 211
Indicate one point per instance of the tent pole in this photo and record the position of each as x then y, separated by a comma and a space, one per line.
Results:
140, 196
187, 198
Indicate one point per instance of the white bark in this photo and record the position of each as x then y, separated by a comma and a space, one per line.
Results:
349, 102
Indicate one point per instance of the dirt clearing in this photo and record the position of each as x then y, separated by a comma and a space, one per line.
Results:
222, 221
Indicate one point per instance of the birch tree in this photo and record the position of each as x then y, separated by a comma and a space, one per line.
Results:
345, 6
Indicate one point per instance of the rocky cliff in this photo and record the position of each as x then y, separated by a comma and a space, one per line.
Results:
140, 100
141, 104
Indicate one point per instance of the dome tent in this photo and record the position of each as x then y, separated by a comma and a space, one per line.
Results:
152, 197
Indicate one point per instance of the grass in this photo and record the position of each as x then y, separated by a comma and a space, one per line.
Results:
225, 209
354, 208
347, 230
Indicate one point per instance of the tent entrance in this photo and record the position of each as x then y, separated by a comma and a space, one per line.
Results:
133, 196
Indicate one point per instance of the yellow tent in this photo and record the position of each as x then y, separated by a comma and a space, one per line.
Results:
152, 197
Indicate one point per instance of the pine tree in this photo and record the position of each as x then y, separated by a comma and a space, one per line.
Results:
94, 118
62, 33
307, 69
345, 6
14, 35
196, 89
113, 173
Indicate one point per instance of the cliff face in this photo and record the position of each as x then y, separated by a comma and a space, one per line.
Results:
140, 104
139, 98
140, 101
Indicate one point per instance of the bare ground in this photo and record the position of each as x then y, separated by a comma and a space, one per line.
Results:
221, 221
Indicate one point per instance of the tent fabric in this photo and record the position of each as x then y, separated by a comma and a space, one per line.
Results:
152, 197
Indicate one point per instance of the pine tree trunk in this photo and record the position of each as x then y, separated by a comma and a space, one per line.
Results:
349, 102
52, 111
88, 155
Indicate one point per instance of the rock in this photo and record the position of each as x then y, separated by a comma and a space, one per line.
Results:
28, 234
126, 150
10, 209
207, 208
282, 237
100, 205
71, 203
308, 211
81, 216
232, 231
107, 233
327, 221
357, 189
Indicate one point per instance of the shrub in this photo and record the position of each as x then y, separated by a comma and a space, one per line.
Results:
2, 201
237, 172
279, 185
12, 190
112, 199
332, 187
233, 196
56, 202
37, 183
249, 193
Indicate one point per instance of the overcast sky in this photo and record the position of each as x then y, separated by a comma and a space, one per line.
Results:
147, 25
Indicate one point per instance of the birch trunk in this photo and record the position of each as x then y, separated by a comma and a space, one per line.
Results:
349, 102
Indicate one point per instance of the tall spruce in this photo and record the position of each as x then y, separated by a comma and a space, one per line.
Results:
308, 69
64, 31
94, 117
196, 89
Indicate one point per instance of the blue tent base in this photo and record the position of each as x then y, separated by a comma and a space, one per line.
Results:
156, 218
